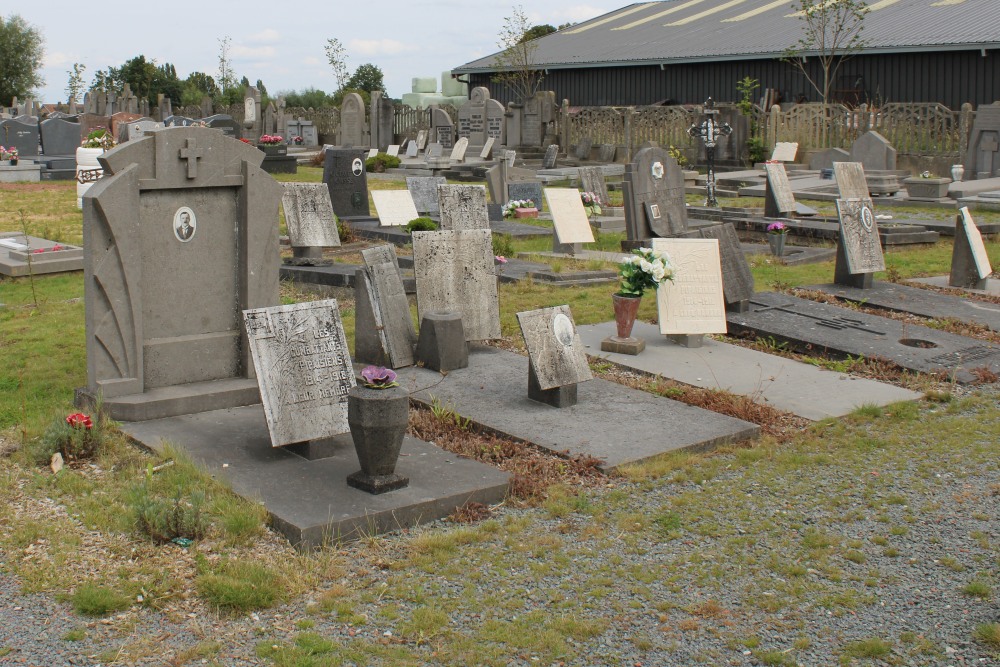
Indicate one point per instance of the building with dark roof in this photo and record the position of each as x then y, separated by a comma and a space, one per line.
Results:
683, 51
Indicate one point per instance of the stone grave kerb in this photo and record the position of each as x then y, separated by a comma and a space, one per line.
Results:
163, 325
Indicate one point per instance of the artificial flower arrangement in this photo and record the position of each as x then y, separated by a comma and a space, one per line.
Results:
777, 228
298, 140
271, 140
378, 377
644, 269
591, 202
510, 208
8, 153
99, 138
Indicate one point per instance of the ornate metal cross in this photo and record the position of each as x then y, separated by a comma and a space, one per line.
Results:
709, 131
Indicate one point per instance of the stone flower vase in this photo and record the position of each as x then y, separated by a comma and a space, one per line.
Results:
378, 420
777, 242
957, 172
626, 310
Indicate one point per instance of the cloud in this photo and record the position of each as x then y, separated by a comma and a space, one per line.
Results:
239, 51
269, 35
376, 47
58, 59
311, 60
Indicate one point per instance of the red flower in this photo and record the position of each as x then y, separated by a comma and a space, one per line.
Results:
78, 419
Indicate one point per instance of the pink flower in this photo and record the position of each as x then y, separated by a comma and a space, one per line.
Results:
78, 420
501, 259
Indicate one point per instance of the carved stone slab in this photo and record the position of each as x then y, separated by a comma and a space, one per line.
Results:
653, 177
859, 236
463, 207
455, 272
389, 306
303, 369
569, 218
737, 279
851, 180
592, 180
693, 302
394, 207
779, 199
554, 347
784, 151
424, 191
980, 258
309, 215
458, 152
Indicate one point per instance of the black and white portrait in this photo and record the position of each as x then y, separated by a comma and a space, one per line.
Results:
185, 224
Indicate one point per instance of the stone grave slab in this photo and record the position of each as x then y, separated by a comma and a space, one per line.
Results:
353, 127
851, 180
784, 151
550, 157
786, 384
309, 216
390, 309
424, 190
458, 151
372, 152
569, 218
874, 151
554, 348
455, 272
392, 150
345, 176
394, 207
991, 288
303, 369
22, 136
970, 263
487, 149
917, 301
691, 303
592, 180
463, 206
491, 393
435, 151
421, 139
583, 148
525, 190
309, 501
859, 236
778, 200
737, 279
22, 255
411, 149
826, 159
823, 328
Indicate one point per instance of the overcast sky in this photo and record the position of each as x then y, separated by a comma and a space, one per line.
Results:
281, 43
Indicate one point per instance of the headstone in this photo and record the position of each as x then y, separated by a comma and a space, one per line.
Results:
381, 120
309, 216
345, 176
372, 152
487, 149
22, 136
859, 240
392, 150
183, 121
784, 151
778, 198
353, 129
970, 263
557, 356
569, 218
394, 207
592, 180
531, 190
826, 159
851, 180
181, 236
455, 272
463, 206
654, 178
982, 160
421, 140
90, 122
303, 369
538, 118
389, 338
583, 148
737, 279
424, 190
119, 120
606, 153
458, 152
480, 118
136, 129
509, 157
442, 128
874, 152
411, 149
692, 303
551, 155
225, 123
59, 137
435, 151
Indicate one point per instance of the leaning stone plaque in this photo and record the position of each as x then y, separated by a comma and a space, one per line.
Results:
463, 207
394, 207
303, 369
859, 236
455, 272
737, 279
970, 263
423, 189
309, 216
557, 355
568, 215
692, 303
487, 149
389, 331
458, 152
778, 198
851, 180
392, 150
784, 151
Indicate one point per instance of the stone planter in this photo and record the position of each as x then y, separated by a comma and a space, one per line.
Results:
378, 420
926, 188
273, 149
526, 213
777, 243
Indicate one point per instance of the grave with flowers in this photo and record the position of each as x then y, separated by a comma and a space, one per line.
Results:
22, 255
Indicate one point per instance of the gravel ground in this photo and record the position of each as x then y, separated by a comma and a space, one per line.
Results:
776, 555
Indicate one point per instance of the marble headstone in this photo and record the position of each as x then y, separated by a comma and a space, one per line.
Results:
859, 236
392, 150
463, 206
784, 151
394, 207
778, 198
353, 128
345, 176
372, 152
384, 311
569, 218
970, 263
309, 216
692, 303
487, 149
59, 137
411, 149
424, 190
458, 152
22, 136
555, 350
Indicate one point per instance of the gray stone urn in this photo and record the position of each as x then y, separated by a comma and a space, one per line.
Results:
777, 243
378, 420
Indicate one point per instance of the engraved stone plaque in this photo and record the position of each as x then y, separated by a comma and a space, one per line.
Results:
554, 347
692, 303
392, 150
784, 151
568, 215
592, 180
309, 215
737, 279
394, 207
859, 235
424, 191
979, 255
458, 152
780, 200
455, 272
463, 207
389, 306
851, 180
303, 369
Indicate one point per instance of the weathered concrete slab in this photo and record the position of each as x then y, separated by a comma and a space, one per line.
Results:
309, 501
607, 422
992, 285
22, 255
823, 328
786, 384
922, 302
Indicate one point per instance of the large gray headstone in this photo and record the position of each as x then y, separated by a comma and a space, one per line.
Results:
442, 128
22, 136
226, 123
982, 160
303, 369
654, 196
874, 152
455, 273
463, 207
384, 328
778, 197
859, 236
353, 128
59, 137
309, 216
345, 176
424, 190
525, 190
557, 355
826, 159
592, 180
737, 279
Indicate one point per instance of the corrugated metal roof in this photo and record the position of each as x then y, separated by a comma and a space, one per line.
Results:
693, 30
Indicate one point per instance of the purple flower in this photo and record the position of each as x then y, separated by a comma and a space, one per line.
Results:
378, 377
777, 228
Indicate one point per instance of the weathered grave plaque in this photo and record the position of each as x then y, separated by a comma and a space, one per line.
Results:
384, 302
303, 369
592, 180
435, 151
353, 128
784, 151
970, 263
653, 177
859, 236
463, 206
874, 152
424, 190
557, 355
526, 190
569, 218
392, 150
411, 149
345, 176
778, 198
22, 255
421, 140
309, 216
551, 155
394, 207
372, 152
487, 148
737, 279
851, 180
455, 272
458, 152
692, 303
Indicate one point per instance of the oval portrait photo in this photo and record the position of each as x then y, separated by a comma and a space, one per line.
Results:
185, 224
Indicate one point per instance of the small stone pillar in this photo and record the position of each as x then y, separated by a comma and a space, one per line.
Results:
441, 345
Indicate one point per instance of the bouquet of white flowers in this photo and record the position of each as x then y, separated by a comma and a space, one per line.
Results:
644, 269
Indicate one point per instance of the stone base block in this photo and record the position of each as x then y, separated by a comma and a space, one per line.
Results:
441, 345
557, 397
738, 306
376, 484
623, 345
566, 248
323, 448
173, 401
688, 340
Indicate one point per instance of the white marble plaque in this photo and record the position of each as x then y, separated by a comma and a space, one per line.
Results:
463, 207
392, 150
554, 347
372, 152
394, 207
421, 139
569, 218
455, 272
487, 148
249, 110
859, 234
303, 369
309, 215
979, 254
693, 302
784, 151
458, 152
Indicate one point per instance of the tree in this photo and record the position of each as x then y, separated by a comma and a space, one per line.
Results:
367, 77
21, 51
310, 97
75, 86
832, 33
534, 32
196, 86
228, 88
336, 54
515, 63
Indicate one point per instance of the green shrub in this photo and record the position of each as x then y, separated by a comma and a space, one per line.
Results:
93, 600
503, 245
73, 442
420, 225
240, 586
345, 232
756, 150
381, 162
164, 518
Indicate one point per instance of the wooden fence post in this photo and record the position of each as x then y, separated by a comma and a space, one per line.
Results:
773, 121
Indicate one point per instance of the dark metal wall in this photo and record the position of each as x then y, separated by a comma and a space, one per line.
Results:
949, 77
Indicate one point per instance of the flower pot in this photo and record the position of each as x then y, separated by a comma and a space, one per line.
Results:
626, 310
378, 420
777, 242
13, 162
957, 172
86, 160
273, 149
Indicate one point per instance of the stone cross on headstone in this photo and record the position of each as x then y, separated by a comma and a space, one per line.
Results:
192, 153
710, 131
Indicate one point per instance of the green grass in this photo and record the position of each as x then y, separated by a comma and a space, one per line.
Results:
95, 600
240, 586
